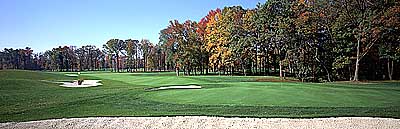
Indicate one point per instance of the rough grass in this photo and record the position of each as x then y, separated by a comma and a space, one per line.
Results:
25, 96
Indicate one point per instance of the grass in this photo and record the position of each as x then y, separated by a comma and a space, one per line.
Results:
290, 95
28, 95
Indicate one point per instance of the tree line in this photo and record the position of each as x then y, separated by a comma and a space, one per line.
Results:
311, 40
116, 55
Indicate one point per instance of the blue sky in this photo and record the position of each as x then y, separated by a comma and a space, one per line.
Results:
45, 24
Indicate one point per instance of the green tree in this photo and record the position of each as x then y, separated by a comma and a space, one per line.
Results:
116, 46
389, 23
131, 51
146, 48
356, 18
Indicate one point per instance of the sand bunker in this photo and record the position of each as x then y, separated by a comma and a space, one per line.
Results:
85, 83
180, 87
72, 75
175, 87
200, 122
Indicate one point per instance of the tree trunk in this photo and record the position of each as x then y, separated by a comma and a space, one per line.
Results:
350, 77
280, 70
390, 70
110, 65
184, 71
136, 61
117, 66
177, 71
243, 67
256, 63
207, 68
189, 69
357, 61
328, 74
268, 65
144, 63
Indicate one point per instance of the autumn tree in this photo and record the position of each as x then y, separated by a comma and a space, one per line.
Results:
201, 35
216, 38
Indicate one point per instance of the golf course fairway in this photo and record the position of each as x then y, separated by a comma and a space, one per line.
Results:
33, 95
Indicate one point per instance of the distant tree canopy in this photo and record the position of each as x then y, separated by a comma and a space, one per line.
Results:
310, 40
313, 40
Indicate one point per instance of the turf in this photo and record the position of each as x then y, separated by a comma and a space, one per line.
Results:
30, 95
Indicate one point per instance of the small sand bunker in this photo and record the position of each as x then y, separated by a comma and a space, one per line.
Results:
72, 75
85, 83
180, 87
175, 87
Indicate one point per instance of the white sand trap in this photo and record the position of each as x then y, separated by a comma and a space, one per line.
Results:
180, 87
174, 87
72, 75
85, 83
200, 122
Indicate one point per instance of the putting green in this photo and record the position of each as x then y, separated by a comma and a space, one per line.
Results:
285, 94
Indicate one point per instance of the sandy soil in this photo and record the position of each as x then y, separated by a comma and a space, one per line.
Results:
208, 122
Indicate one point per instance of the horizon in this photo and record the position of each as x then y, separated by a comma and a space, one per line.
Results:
45, 24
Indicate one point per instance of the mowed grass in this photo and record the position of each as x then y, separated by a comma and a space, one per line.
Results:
30, 95
302, 95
